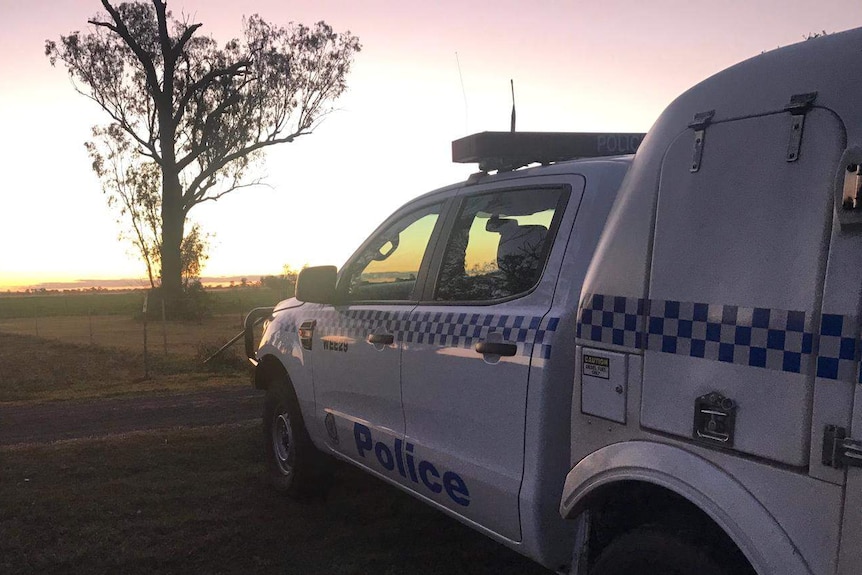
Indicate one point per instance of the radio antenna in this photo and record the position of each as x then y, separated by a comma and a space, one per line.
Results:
463, 93
512, 84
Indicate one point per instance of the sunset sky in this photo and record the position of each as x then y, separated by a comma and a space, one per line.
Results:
577, 66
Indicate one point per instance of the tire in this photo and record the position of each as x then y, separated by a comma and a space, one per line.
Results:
294, 465
646, 551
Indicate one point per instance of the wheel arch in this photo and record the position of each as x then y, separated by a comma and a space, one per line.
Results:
270, 370
714, 496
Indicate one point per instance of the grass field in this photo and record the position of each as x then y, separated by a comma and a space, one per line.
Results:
236, 300
92, 345
184, 338
195, 502
64, 367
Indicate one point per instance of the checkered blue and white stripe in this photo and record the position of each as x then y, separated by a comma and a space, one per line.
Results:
612, 319
839, 336
444, 329
767, 338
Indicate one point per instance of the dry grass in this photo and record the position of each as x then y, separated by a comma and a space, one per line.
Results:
126, 333
219, 301
56, 368
194, 502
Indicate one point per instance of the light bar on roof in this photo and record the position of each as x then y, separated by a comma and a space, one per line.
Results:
511, 150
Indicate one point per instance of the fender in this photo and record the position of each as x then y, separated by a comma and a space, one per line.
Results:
717, 493
281, 343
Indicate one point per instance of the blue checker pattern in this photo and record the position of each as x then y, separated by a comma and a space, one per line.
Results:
612, 319
839, 340
444, 329
753, 336
756, 337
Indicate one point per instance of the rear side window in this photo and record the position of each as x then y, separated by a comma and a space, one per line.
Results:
499, 245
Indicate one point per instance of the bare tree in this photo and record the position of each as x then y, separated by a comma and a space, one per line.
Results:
200, 113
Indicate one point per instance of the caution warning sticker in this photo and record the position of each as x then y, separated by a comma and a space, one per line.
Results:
595, 366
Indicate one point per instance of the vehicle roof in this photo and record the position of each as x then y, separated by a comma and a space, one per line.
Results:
576, 166
830, 65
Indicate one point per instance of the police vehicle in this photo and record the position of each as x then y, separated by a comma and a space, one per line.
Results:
676, 390
428, 358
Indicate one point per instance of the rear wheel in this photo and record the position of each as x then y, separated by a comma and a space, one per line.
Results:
647, 551
294, 465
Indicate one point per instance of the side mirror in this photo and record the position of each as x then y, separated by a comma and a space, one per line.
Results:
316, 284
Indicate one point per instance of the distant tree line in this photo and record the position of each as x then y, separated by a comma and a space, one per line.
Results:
284, 284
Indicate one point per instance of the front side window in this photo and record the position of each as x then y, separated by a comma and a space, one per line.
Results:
387, 268
498, 246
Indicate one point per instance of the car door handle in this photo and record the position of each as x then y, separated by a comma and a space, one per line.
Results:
496, 348
381, 338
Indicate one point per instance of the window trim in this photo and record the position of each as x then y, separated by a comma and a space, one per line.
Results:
427, 297
445, 204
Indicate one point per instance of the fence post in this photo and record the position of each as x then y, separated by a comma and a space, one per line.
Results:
164, 328
146, 358
90, 317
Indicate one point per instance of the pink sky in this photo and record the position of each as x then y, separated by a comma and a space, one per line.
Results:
589, 66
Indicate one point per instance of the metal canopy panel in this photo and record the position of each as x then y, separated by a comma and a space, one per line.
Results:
511, 150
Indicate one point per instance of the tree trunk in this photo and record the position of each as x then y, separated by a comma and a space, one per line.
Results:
173, 221
173, 214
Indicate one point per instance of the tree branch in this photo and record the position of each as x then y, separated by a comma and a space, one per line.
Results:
189, 196
235, 186
181, 43
199, 148
236, 69
123, 32
164, 38
107, 25
149, 146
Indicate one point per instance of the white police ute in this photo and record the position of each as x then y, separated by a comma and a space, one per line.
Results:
612, 364
428, 359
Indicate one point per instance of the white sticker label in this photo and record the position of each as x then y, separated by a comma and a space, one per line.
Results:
595, 366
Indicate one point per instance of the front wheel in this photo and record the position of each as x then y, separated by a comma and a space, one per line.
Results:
647, 551
294, 465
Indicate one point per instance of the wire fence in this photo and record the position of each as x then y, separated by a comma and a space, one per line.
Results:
174, 337
109, 320
130, 303
153, 338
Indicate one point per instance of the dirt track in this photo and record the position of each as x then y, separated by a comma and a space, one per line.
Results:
47, 422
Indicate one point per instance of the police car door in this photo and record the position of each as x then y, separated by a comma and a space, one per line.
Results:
469, 347
357, 343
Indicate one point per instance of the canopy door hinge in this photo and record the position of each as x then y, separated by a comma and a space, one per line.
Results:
699, 124
798, 106
840, 451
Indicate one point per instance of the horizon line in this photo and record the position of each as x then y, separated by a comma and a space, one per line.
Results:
119, 283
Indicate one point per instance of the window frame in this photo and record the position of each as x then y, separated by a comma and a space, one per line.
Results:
343, 282
454, 214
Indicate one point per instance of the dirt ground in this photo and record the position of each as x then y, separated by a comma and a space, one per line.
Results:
55, 421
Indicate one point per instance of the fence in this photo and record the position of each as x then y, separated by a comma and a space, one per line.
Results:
116, 320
